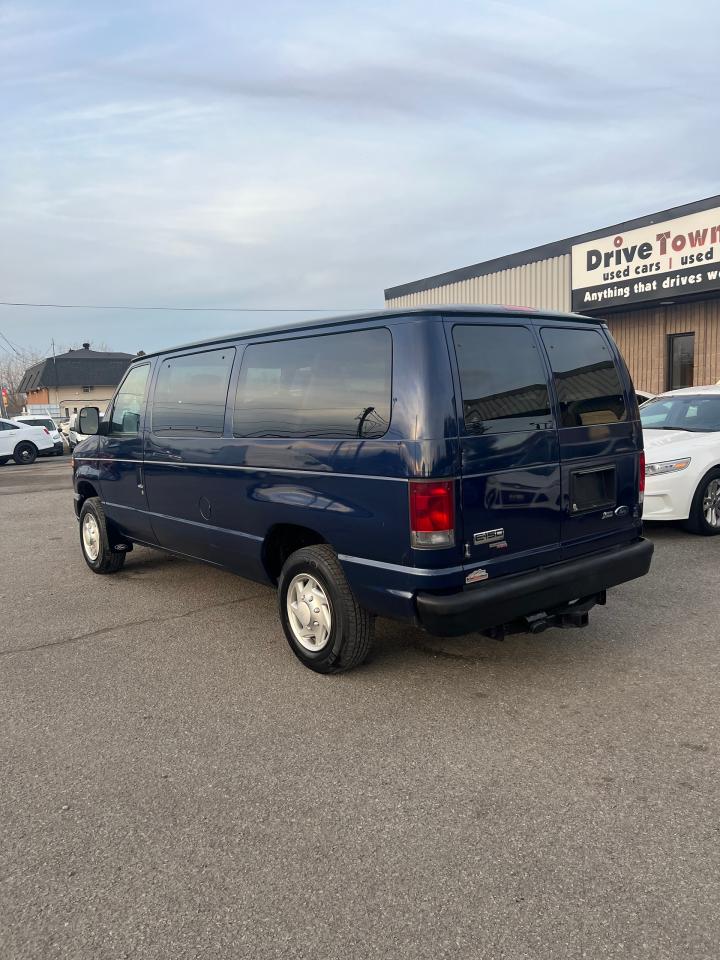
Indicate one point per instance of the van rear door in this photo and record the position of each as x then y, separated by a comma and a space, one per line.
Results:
600, 438
510, 461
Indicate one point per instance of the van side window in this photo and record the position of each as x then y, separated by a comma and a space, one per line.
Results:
129, 401
587, 382
336, 386
191, 393
502, 379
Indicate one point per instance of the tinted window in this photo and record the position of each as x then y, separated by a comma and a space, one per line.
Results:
502, 379
129, 402
38, 423
191, 393
586, 379
329, 386
697, 413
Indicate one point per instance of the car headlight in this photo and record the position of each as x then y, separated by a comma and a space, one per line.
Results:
667, 466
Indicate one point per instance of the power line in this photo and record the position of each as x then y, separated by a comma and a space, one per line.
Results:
106, 306
11, 345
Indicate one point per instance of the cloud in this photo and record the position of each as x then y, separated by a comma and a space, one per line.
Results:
313, 155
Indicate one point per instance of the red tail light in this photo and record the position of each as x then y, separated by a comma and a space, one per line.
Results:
432, 513
641, 478
46, 431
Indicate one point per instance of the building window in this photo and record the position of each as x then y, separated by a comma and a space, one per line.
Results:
681, 360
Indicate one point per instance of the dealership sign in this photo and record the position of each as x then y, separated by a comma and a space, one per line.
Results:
659, 262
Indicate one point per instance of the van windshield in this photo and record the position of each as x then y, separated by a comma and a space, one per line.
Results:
697, 414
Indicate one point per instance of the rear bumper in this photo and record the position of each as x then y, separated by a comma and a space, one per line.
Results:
50, 451
491, 604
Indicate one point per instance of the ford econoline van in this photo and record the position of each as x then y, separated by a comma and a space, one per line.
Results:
463, 469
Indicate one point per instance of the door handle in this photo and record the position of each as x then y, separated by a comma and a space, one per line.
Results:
139, 477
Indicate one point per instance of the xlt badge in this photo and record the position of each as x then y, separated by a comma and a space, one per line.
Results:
489, 536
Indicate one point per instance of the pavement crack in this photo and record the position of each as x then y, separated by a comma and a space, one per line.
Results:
92, 634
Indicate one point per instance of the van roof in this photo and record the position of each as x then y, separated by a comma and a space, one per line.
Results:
491, 310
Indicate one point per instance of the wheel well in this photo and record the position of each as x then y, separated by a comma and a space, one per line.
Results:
86, 490
282, 540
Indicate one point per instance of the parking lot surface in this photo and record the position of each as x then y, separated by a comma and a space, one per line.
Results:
176, 785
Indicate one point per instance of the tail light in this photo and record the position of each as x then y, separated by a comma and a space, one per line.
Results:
641, 478
46, 431
432, 513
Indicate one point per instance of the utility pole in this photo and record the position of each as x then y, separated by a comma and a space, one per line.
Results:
57, 400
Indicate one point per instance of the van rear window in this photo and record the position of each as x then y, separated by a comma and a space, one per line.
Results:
588, 386
337, 386
502, 379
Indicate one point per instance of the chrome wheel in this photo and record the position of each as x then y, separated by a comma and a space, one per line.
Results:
309, 612
91, 536
711, 504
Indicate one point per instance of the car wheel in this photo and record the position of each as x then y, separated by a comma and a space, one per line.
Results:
25, 452
324, 624
94, 540
705, 511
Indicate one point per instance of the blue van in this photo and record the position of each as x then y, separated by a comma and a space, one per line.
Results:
465, 469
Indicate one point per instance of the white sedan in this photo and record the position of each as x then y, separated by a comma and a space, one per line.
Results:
682, 454
23, 443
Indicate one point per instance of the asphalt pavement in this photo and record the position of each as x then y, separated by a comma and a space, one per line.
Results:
174, 784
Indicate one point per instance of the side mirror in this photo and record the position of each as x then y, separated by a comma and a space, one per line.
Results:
88, 421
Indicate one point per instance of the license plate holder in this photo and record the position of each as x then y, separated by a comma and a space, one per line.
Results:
593, 488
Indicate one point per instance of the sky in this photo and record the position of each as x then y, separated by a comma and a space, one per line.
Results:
306, 155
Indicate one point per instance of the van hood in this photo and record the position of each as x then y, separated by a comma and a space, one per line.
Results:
667, 444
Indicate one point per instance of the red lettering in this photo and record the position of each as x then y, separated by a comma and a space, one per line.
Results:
697, 239
662, 239
678, 242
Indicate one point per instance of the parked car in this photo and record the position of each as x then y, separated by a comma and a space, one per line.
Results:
643, 396
35, 420
23, 443
462, 469
682, 442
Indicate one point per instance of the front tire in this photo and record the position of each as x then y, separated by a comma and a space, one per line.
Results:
705, 511
25, 453
327, 629
94, 540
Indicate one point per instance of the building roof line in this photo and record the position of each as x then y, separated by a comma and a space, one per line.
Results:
545, 251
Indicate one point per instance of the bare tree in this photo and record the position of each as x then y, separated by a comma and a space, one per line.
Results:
12, 369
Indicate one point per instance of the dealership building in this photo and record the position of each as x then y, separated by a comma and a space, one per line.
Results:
655, 279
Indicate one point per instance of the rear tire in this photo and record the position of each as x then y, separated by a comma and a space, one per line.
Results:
337, 632
94, 539
706, 504
25, 453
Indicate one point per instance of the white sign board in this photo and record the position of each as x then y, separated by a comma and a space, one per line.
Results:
659, 262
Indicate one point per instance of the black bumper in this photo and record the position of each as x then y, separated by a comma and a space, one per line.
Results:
491, 604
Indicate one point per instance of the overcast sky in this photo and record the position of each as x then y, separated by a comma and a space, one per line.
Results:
286, 154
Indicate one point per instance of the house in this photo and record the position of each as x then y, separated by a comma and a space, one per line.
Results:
59, 386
